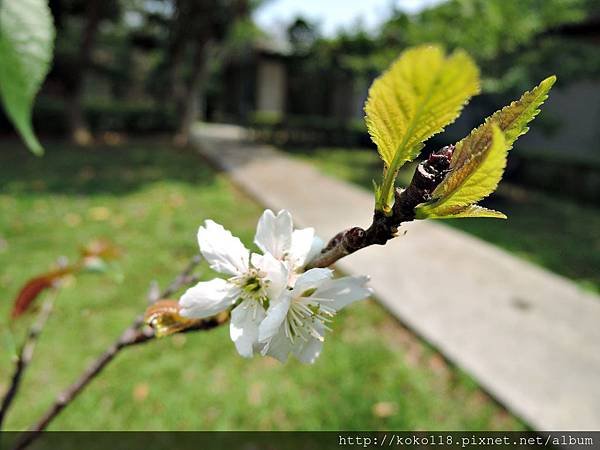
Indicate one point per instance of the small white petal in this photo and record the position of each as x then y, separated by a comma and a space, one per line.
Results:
302, 242
276, 273
274, 233
276, 314
208, 298
243, 328
315, 249
308, 352
279, 346
224, 252
343, 291
311, 279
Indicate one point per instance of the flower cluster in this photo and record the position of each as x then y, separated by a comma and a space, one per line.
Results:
277, 307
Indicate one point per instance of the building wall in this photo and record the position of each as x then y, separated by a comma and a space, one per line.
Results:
271, 86
570, 121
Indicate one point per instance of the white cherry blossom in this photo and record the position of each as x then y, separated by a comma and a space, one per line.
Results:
252, 280
297, 321
275, 234
276, 307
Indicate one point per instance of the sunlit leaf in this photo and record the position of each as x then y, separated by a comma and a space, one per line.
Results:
474, 180
422, 92
479, 160
163, 316
460, 212
512, 121
26, 41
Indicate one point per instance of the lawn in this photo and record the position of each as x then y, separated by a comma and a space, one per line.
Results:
149, 199
556, 233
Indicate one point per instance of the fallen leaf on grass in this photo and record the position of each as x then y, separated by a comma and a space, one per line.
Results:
383, 410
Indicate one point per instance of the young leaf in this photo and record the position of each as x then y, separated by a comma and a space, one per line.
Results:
478, 160
163, 316
26, 40
34, 287
475, 179
460, 212
512, 120
421, 93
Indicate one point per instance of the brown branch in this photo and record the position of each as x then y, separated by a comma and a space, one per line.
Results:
130, 337
428, 175
137, 333
384, 227
26, 355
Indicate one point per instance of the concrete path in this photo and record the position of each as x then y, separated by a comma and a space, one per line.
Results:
529, 337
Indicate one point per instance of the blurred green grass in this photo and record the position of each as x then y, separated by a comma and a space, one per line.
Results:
556, 233
149, 199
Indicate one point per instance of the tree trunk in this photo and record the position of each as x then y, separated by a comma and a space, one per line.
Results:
189, 110
175, 53
79, 129
205, 39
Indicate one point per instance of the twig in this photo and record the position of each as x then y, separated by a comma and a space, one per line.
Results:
428, 175
135, 334
129, 338
384, 227
26, 354
183, 279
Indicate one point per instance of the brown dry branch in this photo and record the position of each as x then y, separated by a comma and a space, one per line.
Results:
25, 355
136, 333
133, 335
426, 178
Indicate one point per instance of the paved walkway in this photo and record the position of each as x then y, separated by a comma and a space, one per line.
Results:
529, 337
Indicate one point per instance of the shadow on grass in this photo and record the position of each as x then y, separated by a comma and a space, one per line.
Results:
100, 169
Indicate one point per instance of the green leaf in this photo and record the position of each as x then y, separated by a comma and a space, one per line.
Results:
474, 180
459, 212
26, 41
512, 120
479, 159
422, 92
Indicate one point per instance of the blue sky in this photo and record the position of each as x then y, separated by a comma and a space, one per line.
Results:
333, 14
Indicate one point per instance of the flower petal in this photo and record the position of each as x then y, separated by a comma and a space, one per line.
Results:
315, 249
279, 346
243, 328
224, 252
305, 246
276, 273
311, 279
308, 352
208, 298
343, 291
276, 314
302, 242
274, 233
